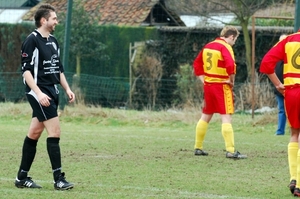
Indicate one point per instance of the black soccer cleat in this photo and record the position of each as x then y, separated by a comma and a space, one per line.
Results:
62, 184
292, 186
26, 183
297, 192
200, 152
235, 155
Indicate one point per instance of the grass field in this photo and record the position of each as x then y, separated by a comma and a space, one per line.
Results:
109, 153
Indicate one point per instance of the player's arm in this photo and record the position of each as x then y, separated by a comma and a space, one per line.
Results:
63, 80
31, 83
231, 79
66, 87
198, 64
198, 67
277, 83
42, 97
229, 64
201, 77
269, 61
275, 54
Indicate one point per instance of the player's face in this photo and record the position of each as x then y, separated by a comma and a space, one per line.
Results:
51, 22
232, 40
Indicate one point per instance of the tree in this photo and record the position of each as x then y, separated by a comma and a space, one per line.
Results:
84, 30
151, 70
243, 11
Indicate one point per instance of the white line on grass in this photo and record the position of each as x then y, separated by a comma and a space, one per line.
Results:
155, 191
179, 194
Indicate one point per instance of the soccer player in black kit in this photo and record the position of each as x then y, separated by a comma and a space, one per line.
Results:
42, 72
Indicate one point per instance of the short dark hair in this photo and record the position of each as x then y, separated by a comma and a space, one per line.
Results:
43, 12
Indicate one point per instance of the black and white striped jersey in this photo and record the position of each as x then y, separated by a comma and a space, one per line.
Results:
40, 56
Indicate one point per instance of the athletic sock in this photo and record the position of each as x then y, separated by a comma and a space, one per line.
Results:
54, 155
298, 169
28, 154
228, 136
201, 129
292, 159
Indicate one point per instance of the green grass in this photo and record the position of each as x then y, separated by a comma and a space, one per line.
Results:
109, 153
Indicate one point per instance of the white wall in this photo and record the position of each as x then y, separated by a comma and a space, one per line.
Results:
12, 15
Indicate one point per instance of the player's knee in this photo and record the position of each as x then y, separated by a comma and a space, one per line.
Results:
35, 133
54, 133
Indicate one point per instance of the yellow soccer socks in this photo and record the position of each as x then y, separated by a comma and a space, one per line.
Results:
201, 129
293, 153
298, 169
227, 133
228, 136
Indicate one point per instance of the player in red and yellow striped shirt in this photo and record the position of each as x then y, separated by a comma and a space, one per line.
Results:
288, 50
216, 68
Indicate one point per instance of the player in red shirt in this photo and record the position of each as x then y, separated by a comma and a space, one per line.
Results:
215, 67
288, 51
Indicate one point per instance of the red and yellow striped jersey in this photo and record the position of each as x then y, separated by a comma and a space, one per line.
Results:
215, 61
287, 50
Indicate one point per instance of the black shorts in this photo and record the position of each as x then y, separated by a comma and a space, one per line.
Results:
41, 112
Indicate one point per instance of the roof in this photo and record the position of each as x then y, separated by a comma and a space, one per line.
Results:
12, 3
194, 7
12, 15
17, 3
125, 12
266, 30
12, 11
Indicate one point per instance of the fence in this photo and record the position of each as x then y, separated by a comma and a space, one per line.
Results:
177, 47
114, 92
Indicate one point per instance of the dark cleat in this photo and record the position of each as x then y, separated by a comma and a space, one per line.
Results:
292, 186
235, 155
62, 184
200, 152
26, 183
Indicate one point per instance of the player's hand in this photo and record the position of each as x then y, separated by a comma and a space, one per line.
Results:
280, 88
71, 96
230, 83
44, 99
